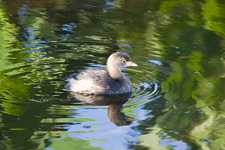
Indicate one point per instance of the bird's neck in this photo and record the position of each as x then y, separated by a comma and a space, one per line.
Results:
115, 72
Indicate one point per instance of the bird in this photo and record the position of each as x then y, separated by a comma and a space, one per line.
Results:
103, 81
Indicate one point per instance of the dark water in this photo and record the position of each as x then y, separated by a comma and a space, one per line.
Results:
178, 100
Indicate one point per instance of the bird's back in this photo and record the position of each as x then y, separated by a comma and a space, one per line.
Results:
98, 81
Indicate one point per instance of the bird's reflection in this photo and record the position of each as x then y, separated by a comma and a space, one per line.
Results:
115, 103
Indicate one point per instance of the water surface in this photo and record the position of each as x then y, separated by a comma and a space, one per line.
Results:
178, 100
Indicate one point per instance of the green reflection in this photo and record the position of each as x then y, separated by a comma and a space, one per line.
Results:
66, 120
193, 89
70, 144
214, 16
35, 21
13, 89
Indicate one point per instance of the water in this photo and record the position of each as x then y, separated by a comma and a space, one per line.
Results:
178, 98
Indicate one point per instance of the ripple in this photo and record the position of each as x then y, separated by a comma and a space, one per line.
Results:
144, 93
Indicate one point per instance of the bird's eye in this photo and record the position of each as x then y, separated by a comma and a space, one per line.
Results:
124, 61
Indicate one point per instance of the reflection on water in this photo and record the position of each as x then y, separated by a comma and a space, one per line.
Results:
101, 99
178, 99
115, 103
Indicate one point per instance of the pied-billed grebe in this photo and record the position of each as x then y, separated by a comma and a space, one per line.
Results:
102, 81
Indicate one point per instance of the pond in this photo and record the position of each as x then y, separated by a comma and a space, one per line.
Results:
178, 99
